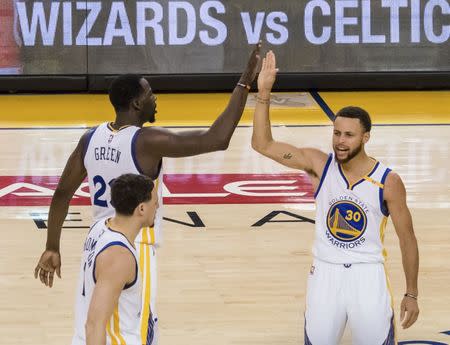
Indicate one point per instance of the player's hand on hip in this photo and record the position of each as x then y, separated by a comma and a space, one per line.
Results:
49, 263
252, 66
268, 73
409, 311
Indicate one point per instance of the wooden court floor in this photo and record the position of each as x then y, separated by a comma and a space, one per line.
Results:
227, 282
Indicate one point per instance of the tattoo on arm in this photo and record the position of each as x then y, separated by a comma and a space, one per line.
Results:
287, 156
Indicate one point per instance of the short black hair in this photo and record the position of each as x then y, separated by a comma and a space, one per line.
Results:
128, 191
124, 89
357, 113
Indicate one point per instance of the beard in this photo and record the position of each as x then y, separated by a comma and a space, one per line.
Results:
350, 154
148, 116
152, 118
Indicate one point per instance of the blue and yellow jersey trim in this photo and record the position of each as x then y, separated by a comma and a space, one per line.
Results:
148, 233
145, 248
144, 266
362, 179
133, 152
382, 232
383, 206
324, 173
88, 138
375, 182
388, 283
389, 287
112, 129
110, 244
113, 328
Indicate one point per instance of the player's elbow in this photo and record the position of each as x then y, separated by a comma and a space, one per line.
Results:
214, 141
223, 145
257, 145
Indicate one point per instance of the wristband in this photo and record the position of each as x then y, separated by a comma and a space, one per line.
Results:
262, 100
245, 86
410, 295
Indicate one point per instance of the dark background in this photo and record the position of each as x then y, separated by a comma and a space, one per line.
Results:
196, 66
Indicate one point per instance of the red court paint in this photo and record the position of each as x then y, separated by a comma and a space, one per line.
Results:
179, 189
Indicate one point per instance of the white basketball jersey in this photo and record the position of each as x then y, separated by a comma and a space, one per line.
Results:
124, 325
110, 153
350, 219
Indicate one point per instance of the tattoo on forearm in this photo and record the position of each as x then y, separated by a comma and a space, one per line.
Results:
287, 156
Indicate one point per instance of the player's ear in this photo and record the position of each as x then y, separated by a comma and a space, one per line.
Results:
136, 104
366, 137
140, 209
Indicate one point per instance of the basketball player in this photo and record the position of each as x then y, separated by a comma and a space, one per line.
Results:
354, 195
125, 146
108, 301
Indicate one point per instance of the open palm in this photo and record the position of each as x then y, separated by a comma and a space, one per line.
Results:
268, 73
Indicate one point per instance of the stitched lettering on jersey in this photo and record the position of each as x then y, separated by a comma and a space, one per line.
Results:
103, 153
89, 246
350, 199
346, 223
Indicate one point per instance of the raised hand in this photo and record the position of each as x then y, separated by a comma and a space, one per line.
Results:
252, 66
268, 73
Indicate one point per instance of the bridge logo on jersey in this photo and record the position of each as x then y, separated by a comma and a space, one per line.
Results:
346, 221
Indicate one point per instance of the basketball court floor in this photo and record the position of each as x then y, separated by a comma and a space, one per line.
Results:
238, 227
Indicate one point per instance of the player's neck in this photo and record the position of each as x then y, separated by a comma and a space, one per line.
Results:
128, 226
359, 165
126, 119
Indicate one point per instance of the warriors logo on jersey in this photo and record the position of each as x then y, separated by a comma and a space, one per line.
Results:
346, 221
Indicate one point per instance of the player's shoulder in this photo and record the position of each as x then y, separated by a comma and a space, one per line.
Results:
320, 156
393, 186
151, 130
153, 135
392, 178
87, 135
319, 161
115, 263
116, 254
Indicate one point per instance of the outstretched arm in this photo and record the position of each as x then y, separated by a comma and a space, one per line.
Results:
72, 177
308, 159
217, 137
395, 197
